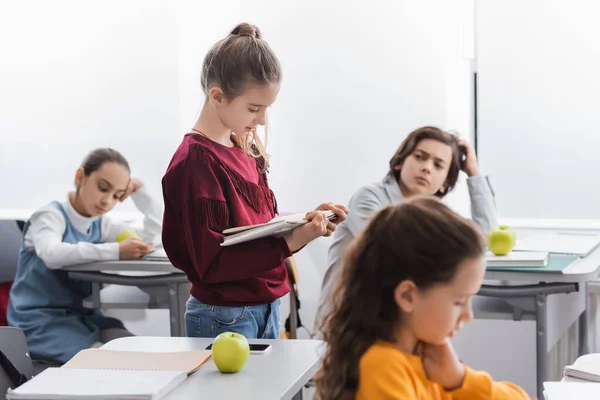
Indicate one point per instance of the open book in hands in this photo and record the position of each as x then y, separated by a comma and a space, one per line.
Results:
276, 227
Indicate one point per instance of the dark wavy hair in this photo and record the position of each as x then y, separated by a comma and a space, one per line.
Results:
421, 240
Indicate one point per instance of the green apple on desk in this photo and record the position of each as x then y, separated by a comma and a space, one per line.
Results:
125, 235
230, 351
501, 240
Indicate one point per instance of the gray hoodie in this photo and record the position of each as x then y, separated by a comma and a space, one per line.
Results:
372, 198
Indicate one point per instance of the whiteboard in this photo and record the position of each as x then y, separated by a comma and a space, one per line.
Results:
538, 64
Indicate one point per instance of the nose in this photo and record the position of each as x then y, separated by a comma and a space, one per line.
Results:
467, 314
427, 166
261, 118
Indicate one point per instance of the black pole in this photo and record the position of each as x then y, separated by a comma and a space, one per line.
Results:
475, 101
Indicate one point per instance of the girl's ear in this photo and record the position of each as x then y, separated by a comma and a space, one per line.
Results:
405, 295
79, 175
216, 96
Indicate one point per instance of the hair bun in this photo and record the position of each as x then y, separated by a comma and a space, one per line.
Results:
245, 29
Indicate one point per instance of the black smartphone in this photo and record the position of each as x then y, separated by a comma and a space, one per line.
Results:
254, 348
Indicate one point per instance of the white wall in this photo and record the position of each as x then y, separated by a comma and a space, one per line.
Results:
358, 78
79, 75
538, 63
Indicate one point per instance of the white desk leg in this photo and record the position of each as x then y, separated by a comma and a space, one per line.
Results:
298, 396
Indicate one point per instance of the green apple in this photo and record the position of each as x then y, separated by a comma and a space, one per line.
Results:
501, 240
230, 351
125, 235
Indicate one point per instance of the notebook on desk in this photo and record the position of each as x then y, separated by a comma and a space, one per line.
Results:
518, 259
586, 368
185, 361
158, 254
557, 263
110, 374
571, 391
105, 384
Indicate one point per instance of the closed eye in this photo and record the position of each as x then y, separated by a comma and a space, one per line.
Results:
252, 110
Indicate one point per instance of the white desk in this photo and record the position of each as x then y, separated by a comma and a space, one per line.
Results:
126, 266
583, 270
152, 273
15, 214
140, 273
280, 374
527, 295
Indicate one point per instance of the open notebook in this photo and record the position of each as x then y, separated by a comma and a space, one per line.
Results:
108, 374
576, 243
157, 254
276, 227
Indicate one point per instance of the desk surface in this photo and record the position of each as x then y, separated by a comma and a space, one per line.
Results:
279, 374
552, 224
582, 270
126, 266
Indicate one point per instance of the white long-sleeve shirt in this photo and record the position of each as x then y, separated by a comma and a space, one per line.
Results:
47, 226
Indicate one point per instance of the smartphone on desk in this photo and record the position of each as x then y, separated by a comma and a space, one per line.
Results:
255, 349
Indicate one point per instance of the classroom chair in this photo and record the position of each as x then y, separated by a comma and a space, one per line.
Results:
15, 365
11, 237
292, 323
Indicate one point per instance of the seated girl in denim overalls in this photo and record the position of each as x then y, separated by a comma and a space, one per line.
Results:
44, 302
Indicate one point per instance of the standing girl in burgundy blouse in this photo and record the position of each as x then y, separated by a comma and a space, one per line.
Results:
217, 180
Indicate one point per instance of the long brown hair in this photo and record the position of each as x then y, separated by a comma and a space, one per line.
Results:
421, 240
242, 58
409, 145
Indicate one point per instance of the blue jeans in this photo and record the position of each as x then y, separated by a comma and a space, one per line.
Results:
254, 322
